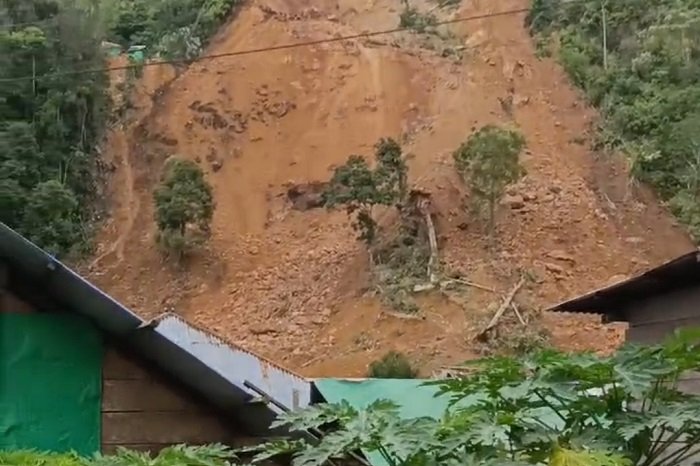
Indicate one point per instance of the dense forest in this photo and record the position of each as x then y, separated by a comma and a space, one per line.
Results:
639, 63
52, 117
49, 125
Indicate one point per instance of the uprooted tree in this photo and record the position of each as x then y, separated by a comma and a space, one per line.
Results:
488, 162
399, 259
184, 207
361, 188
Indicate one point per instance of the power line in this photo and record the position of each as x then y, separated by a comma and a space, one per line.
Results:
261, 49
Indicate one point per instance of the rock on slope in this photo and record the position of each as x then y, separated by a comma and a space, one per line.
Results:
290, 284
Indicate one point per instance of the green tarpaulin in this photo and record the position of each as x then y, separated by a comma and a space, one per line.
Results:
414, 399
50, 383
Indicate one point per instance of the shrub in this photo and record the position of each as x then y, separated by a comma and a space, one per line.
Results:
411, 18
177, 455
51, 219
393, 365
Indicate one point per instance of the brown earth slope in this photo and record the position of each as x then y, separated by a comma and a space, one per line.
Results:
292, 284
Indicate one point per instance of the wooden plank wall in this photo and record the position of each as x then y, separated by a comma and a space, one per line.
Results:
655, 319
652, 320
8, 301
143, 410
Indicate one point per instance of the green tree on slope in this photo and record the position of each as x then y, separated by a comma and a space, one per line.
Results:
488, 162
184, 207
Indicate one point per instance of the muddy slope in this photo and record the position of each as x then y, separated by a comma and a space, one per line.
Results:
292, 284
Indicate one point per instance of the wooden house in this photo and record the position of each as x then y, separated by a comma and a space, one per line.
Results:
653, 304
79, 371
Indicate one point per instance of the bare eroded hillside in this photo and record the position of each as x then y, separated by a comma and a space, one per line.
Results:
292, 284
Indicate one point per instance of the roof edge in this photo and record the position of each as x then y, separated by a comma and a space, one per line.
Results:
573, 305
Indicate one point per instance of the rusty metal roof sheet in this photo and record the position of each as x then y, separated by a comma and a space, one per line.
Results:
682, 272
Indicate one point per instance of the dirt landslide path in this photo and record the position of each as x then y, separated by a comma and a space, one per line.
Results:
292, 284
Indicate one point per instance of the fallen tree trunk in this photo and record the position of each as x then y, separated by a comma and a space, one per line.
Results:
504, 306
423, 206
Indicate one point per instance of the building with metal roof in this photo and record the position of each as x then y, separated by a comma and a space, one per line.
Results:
654, 303
38, 292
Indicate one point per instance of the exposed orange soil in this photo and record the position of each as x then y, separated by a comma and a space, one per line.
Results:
292, 285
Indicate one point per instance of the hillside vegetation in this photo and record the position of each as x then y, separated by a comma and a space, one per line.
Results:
172, 28
646, 83
49, 126
52, 118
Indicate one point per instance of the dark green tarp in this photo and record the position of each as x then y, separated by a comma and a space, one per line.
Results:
50, 383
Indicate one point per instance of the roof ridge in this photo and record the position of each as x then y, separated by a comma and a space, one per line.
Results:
226, 341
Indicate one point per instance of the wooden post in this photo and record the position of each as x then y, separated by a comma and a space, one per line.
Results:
605, 35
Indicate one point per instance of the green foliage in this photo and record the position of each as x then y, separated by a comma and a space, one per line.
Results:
411, 18
173, 28
543, 408
393, 365
184, 207
49, 126
489, 161
33, 458
178, 455
51, 217
360, 188
398, 261
649, 93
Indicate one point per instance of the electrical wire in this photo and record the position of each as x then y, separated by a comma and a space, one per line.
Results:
261, 49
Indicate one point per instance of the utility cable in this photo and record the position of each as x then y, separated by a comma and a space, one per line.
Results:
261, 49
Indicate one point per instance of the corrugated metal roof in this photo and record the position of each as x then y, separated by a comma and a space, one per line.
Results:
229, 376
682, 272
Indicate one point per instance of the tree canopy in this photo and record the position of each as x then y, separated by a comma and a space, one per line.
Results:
52, 118
359, 188
49, 125
172, 28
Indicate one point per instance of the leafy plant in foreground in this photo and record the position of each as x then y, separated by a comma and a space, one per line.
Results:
177, 455
34, 458
546, 408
